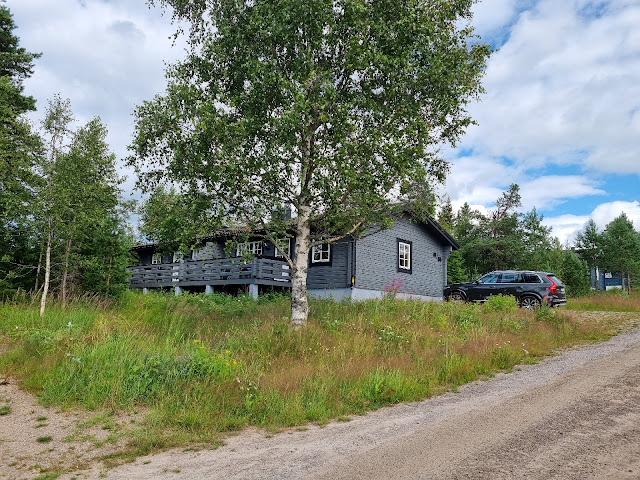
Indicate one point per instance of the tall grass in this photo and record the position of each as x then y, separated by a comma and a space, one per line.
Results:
615, 300
201, 365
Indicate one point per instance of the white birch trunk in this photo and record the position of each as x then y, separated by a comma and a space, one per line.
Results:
109, 275
35, 288
66, 272
299, 301
47, 272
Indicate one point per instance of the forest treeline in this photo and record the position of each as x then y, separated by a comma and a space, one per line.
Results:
64, 227
506, 238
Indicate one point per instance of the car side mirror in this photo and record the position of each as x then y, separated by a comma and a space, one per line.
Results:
478, 282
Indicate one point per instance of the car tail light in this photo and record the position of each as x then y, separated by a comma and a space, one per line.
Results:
554, 287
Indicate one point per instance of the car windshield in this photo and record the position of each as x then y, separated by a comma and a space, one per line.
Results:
489, 278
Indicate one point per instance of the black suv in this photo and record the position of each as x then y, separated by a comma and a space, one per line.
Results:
531, 289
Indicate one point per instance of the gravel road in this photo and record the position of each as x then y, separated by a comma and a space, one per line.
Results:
572, 416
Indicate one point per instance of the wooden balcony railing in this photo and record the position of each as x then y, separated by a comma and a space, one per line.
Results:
223, 271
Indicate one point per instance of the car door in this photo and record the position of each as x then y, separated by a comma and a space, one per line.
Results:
511, 284
485, 286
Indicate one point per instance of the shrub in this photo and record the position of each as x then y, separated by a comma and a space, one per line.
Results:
501, 303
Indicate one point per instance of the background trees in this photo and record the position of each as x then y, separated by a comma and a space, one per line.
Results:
502, 239
62, 222
508, 239
86, 234
331, 107
621, 249
20, 150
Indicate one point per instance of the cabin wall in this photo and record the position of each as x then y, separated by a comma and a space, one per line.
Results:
377, 261
335, 274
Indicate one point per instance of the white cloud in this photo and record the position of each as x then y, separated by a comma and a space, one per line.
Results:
478, 179
606, 212
106, 57
563, 89
565, 227
551, 190
492, 15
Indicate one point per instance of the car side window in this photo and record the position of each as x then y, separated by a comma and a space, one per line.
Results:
511, 278
531, 278
490, 278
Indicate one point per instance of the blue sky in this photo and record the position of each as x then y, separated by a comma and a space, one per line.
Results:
560, 116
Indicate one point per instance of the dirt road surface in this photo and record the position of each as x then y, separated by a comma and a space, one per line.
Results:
573, 416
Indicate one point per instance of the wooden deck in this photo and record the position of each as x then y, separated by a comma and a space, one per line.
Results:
223, 271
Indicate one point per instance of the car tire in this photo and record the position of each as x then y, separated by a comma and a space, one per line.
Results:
457, 297
530, 303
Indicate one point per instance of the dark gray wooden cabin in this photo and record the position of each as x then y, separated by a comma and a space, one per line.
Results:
409, 259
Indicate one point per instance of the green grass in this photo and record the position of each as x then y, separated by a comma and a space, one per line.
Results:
611, 301
200, 366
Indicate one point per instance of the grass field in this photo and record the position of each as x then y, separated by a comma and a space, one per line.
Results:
198, 366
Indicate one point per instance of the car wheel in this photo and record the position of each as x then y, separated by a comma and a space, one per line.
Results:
457, 297
530, 303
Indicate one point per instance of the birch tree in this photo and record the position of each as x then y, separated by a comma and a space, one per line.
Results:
87, 190
58, 118
333, 107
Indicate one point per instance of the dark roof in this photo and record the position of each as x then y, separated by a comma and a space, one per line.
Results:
436, 229
431, 225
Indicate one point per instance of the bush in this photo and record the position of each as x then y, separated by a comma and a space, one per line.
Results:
501, 303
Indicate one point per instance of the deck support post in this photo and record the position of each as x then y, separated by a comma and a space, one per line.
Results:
178, 290
145, 290
253, 290
208, 289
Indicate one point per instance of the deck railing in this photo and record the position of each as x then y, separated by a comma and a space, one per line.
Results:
223, 271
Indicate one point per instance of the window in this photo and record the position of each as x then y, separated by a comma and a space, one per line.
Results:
531, 278
156, 259
285, 244
404, 256
509, 277
321, 253
253, 248
178, 256
492, 277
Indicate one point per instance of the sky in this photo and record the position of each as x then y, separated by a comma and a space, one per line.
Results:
560, 116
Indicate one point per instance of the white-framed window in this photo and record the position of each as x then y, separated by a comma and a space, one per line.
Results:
156, 259
321, 253
253, 248
284, 244
404, 256
178, 256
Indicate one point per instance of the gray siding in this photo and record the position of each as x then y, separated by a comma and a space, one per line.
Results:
336, 275
377, 260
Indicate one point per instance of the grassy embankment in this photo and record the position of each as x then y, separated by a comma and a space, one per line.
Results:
198, 366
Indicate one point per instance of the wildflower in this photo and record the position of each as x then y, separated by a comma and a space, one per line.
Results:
196, 340
69, 325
